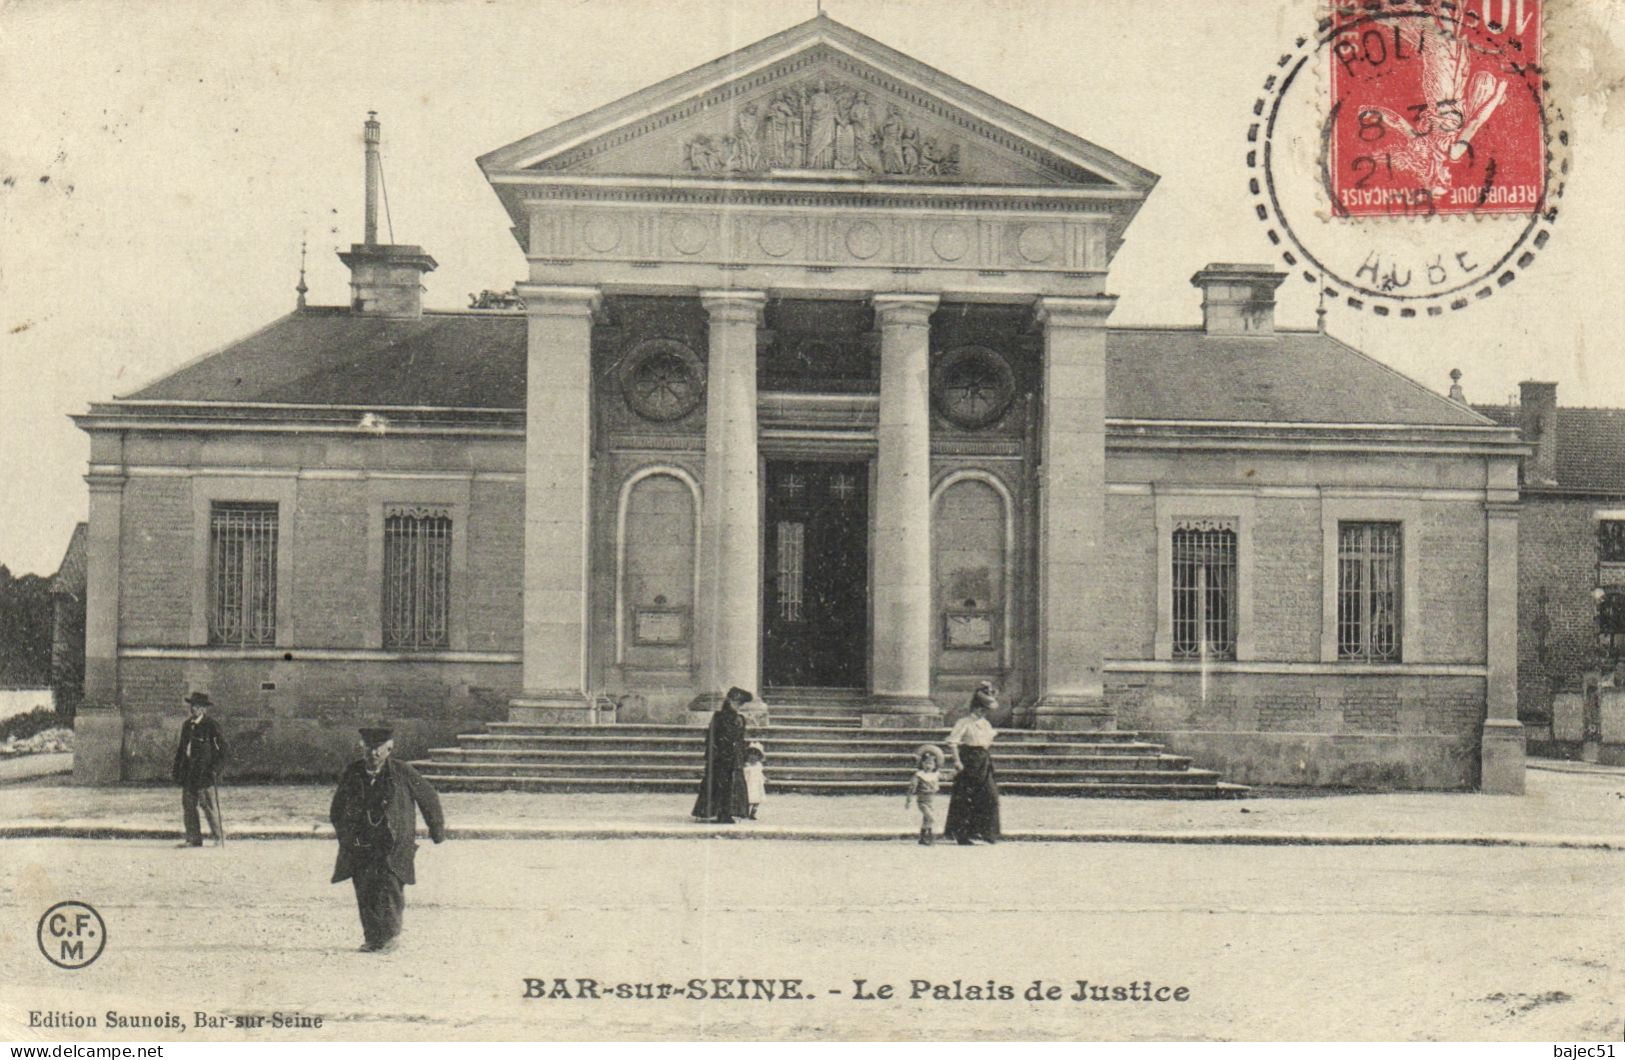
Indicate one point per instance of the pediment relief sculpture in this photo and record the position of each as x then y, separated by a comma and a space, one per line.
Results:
822, 125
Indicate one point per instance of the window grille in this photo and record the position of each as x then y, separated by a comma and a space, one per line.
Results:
1204, 604
417, 578
242, 574
1611, 540
1368, 580
792, 546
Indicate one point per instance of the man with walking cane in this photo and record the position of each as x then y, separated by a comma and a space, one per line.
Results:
199, 760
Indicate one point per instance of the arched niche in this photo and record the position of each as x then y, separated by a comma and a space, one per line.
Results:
657, 531
972, 572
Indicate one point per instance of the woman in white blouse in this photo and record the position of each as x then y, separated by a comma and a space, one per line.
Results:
973, 808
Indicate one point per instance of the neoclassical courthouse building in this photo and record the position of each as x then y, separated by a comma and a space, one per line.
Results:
812, 391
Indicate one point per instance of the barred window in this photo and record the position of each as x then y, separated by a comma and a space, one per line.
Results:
417, 577
792, 539
242, 574
1611, 540
1204, 604
1368, 580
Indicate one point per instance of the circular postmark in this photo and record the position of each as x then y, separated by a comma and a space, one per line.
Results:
71, 934
1406, 158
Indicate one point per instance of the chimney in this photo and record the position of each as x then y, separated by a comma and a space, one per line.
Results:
386, 279
1238, 299
1537, 423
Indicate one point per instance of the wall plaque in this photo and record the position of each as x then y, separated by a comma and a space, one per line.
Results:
967, 630
660, 626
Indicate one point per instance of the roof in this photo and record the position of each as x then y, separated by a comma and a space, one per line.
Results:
1590, 446
335, 357
476, 360
69, 578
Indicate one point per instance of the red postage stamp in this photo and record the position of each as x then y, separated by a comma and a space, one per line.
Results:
1435, 108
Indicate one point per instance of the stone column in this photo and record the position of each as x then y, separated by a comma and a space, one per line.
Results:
728, 613
558, 464
98, 756
902, 541
1502, 742
1072, 515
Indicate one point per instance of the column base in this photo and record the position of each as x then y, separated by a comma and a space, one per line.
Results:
553, 706
1501, 758
1074, 714
98, 746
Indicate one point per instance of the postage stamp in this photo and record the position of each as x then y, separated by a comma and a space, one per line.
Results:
1407, 158
1437, 113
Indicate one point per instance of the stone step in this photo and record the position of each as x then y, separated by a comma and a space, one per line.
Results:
836, 721
792, 774
918, 736
689, 740
685, 788
882, 759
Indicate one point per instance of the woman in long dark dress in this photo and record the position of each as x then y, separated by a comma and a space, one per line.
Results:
973, 808
722, 789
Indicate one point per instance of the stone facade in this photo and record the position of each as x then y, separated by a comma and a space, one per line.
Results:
855, 427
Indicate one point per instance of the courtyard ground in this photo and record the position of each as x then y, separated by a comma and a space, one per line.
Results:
1566, 804
1315, 943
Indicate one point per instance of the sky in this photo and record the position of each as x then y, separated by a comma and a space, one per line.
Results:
160, 164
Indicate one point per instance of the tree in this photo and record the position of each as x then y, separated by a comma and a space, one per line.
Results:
25, 630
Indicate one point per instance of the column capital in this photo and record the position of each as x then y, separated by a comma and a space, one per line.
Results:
1089, 311
731, 306
546, 300
905, 309
102, 480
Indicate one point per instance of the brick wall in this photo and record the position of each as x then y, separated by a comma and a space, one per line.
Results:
305, 726
334, 598
156, 549
1557, 570
1130, 548
1287, 580
496, 566
1355, 731
1450, 546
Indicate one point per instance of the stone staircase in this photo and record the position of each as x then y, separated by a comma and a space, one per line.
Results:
811, 749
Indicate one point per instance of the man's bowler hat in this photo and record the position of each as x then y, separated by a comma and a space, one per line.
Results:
373, 735
199, 699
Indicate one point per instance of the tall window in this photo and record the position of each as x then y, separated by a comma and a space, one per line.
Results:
417, 577
792, 549
242, 574
1204, 589
1368, 579
1611, 540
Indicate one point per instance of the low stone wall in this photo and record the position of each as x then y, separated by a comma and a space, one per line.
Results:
1399, 732
305, 726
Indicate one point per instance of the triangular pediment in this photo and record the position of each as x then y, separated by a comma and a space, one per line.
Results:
820, 100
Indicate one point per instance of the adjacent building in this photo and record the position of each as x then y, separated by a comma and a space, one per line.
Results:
813, 391
1571, 570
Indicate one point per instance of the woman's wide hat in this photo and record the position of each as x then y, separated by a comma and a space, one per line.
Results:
738, 695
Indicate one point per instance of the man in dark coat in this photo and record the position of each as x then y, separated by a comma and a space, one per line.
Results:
198, 762
376, 824
722, 789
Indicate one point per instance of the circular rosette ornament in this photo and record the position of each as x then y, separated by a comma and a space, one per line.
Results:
662, 380
973, 387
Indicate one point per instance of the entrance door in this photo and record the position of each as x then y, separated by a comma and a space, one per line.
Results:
815, 606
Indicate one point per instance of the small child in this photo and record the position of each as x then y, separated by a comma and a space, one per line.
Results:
922, 789
755, 779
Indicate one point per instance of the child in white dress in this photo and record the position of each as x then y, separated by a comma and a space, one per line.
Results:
922, 789
755, 778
